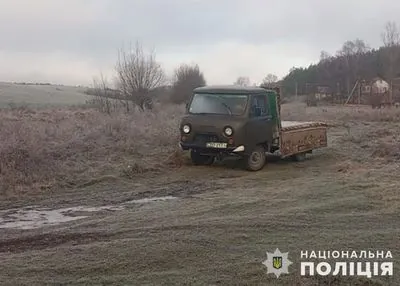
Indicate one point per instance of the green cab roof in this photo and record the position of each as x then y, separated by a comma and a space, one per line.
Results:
232, 89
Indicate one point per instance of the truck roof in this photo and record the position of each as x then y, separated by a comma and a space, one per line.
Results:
233, 89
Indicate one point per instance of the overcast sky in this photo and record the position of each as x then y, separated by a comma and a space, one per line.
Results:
70, 41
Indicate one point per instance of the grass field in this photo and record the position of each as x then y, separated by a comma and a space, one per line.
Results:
15, 95
214, 225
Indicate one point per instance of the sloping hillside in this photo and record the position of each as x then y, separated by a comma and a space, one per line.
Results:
40, 95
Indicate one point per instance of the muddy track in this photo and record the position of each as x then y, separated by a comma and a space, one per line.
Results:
49, 240
181, 189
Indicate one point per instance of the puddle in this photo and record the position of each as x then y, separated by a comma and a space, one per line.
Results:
31, 217
149, 200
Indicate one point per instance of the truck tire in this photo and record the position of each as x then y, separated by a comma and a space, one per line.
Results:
255, 161
199, 159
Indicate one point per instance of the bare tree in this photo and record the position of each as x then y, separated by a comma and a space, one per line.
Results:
390, 36
242, 81
350, 53
391, 39
187, 78
124, 100
102, 94
138, 74
324, 60
269, 80
324, 56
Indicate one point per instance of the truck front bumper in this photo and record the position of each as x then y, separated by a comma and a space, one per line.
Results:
188, 146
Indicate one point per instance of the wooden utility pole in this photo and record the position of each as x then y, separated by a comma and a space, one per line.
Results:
296, 90
391, 92
351, 94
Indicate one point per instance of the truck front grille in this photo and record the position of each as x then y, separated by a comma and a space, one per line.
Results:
203, 138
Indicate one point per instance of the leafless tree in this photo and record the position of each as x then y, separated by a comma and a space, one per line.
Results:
104, 97
391, 39
242, 81
324, 59
324, 56
138, 74
391, 36
350, 53
269, 80
186, 78
101, 96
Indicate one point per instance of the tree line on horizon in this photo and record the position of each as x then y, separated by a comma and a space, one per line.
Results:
354, 61
140, 79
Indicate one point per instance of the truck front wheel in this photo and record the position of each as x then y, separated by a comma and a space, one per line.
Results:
255, 161
199, 159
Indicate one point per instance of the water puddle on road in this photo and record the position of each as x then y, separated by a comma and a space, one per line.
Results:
31, 217
149, 200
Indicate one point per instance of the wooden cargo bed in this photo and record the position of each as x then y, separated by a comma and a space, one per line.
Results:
295, 125
297, 137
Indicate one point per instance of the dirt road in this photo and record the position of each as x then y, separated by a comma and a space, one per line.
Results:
211, 225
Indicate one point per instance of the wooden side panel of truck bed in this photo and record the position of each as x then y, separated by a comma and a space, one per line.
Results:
302, 140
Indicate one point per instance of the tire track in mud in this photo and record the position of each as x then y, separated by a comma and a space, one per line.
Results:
35, 217
48, 240
179, 189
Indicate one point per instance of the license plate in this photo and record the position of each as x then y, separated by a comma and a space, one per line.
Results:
216, 145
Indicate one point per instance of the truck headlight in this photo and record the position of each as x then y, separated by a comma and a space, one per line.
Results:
186, 129
228, 131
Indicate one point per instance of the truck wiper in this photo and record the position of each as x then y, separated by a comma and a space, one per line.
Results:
225, 105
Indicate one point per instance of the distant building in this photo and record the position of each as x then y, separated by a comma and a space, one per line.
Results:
377, 90
322, 92
375, 86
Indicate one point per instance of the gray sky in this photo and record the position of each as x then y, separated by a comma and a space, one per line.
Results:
70, 41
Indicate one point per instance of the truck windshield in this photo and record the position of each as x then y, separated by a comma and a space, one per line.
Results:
212, 103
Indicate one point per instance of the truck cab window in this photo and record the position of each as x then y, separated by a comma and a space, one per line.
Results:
259, 107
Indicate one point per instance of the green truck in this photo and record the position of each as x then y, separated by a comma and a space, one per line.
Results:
245, 122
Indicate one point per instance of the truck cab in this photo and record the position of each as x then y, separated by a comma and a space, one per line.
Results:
233, 120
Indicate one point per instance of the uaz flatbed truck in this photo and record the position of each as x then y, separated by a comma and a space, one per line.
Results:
244, 121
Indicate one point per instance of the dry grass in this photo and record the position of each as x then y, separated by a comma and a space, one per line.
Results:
41, 148
339, 113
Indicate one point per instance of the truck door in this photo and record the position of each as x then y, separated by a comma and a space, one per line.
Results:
260, 121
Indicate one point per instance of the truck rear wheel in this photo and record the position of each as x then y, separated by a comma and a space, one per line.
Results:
199, 159
255, 161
